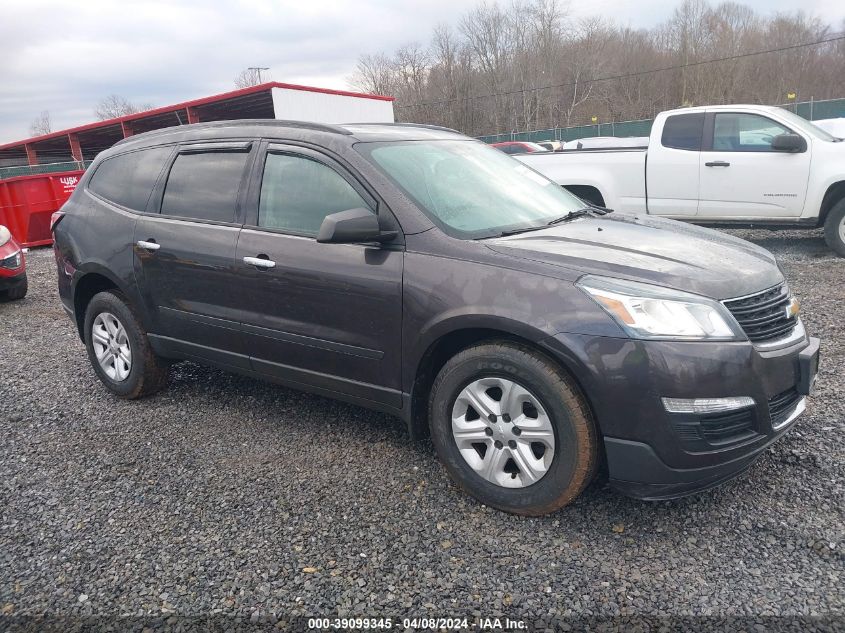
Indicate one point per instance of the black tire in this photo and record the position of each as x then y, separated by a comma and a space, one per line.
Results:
834, 228
576, 443
148, 373
18, 292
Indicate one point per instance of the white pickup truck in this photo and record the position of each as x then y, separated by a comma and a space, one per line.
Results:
733, 165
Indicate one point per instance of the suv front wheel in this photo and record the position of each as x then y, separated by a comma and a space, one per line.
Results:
119, 350
512, 428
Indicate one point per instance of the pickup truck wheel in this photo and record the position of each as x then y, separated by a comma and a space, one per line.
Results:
512, 429
834, 228
119, 350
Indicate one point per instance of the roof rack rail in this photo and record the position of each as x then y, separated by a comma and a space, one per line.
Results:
307, 125
420, 125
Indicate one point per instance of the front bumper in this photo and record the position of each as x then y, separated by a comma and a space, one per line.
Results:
12, 281
654, 454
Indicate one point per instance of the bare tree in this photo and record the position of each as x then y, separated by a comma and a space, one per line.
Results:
373, 74
248, 77
527, 65
41, 124
586, 55
114, 106
485, 29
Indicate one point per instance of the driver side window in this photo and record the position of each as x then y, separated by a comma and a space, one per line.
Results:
297, 193
735, 132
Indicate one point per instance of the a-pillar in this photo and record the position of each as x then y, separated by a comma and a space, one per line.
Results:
126, 128
75, 148
31, 156
193, 115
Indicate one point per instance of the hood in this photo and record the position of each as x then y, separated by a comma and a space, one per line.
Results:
651, 250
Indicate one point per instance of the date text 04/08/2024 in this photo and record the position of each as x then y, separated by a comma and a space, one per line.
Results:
424, 623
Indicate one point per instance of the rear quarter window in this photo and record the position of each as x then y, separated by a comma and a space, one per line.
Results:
683, 131
128, 179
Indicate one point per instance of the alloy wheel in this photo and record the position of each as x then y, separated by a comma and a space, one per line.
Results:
111, 346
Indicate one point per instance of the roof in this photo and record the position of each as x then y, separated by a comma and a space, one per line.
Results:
194, 103
730, 107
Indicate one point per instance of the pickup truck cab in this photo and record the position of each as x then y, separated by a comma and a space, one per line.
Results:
734, 165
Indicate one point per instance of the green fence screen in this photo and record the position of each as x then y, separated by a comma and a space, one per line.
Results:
811, 110
49, 168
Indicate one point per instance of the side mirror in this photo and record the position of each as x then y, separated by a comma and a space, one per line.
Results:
789, 143
353, 225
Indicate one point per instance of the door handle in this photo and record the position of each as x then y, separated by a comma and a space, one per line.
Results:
262, 261
717, 163
149, 245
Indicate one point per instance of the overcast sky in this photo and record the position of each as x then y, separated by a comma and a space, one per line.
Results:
64, 56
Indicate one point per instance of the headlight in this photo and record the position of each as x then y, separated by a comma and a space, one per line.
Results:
13, 261
655, 312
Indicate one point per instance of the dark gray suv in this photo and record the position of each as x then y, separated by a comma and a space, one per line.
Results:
419, 272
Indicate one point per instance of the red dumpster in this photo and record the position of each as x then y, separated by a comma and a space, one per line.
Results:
26, 203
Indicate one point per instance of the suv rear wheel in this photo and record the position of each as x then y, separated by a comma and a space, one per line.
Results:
512, 429
119, 350
834, 228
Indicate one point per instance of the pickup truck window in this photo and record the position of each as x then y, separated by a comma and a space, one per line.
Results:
297, 194
683, 131
741, 132
469, 189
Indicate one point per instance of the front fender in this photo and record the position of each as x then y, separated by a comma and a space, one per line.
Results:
446, 295
465, 319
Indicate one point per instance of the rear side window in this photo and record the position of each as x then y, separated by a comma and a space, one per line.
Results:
128, 179
204, 185
297, 194
683, 131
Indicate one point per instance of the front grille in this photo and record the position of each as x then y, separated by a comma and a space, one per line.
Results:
727, 427
782, 405
763, 316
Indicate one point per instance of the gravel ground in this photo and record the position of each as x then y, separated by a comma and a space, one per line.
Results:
232, 496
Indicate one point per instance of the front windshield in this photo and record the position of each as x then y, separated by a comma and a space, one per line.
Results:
469, 189
805, 126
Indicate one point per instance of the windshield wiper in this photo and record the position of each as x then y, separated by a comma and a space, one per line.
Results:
590, 208
524, 229
571, 216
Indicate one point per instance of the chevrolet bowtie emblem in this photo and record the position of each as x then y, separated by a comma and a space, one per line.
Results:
793, 308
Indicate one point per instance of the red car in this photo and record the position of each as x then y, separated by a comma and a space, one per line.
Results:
519, 147
13, 283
